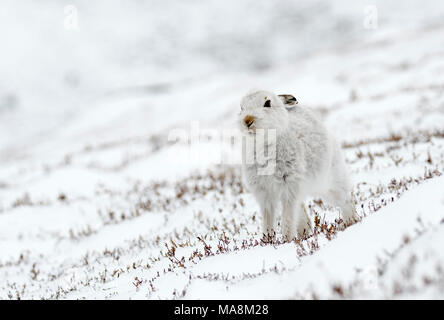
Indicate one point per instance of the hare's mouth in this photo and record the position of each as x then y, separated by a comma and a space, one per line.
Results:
251, 129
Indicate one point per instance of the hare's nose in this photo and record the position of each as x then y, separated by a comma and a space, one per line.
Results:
248, 120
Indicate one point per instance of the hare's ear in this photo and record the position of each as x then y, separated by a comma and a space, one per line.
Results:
288, 100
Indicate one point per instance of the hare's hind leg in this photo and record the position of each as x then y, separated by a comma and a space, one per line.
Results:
339, 192
349, 211
340, 195
340, 198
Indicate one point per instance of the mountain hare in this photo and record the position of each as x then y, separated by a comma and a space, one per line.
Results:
289, 155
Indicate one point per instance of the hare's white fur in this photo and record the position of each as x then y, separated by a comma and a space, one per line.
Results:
308, 162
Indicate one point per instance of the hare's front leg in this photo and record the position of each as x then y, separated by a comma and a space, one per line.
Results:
268, 210
303, 222
293, 211
288, 227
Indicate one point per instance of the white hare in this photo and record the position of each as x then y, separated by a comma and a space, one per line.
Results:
289, 155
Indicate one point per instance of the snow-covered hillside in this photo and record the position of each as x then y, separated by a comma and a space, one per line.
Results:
96, 202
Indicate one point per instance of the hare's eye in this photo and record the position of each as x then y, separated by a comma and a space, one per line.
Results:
267, 104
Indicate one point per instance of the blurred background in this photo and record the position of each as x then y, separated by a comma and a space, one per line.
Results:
59, 58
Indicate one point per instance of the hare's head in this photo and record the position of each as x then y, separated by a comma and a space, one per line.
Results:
265, 110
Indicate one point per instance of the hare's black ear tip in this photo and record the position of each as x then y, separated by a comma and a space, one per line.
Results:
288, 99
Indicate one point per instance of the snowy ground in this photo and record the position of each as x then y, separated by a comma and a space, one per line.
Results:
97, 203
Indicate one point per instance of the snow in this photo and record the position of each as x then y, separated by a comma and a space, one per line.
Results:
95, 202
